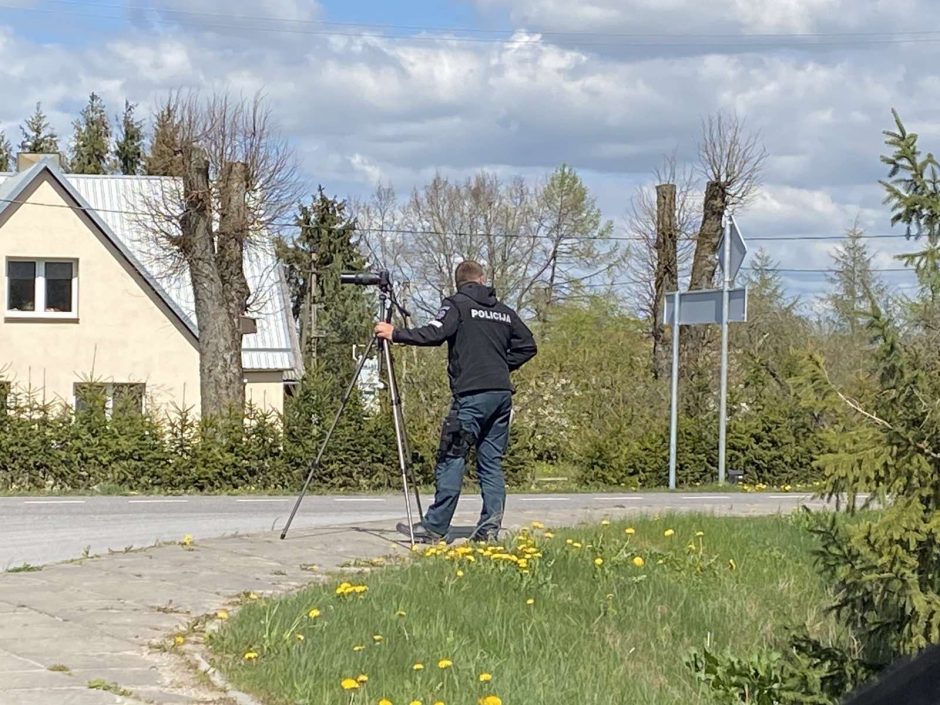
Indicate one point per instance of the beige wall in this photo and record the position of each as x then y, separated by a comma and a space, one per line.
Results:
265, 390
123, 332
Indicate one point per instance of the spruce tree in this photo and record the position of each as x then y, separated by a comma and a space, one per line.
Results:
853, 283
38, 135
91, 141
163, 159
6, 153
129, 148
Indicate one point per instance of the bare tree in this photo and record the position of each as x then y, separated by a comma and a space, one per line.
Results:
238, 181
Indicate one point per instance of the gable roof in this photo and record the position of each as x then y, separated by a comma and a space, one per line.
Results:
116, 205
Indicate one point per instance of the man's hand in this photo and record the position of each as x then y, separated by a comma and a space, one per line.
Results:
384, 330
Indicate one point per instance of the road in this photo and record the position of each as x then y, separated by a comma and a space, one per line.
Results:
41, 530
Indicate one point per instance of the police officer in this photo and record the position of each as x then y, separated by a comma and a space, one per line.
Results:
486, 340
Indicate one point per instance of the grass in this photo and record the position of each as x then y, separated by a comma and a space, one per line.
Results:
59, 668
599, 634
109, 687
24, 568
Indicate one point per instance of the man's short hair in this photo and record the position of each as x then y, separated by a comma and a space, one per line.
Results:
468, 271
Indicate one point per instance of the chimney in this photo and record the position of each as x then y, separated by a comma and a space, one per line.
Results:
24, 160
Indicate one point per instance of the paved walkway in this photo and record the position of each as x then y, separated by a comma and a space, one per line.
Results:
109, 621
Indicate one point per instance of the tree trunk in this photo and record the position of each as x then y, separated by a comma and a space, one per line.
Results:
217, 289
704, 265
667, 271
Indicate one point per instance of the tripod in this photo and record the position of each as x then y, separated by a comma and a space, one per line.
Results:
387, 306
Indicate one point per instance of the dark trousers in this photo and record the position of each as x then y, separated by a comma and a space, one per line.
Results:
479, 420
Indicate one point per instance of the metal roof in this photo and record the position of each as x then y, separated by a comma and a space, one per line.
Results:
119, 206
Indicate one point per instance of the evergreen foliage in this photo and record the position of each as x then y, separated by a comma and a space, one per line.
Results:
91, 141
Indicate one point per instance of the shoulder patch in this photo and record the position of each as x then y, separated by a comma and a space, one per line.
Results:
442, 312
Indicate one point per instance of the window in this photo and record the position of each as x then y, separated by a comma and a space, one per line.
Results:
110, 399
41, 288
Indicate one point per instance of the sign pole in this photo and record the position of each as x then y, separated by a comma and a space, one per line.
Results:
723, 403
674, 409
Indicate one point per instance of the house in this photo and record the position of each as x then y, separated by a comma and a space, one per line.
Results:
91, 297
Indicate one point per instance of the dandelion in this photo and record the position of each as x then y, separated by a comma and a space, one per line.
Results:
187, 540
313, 613
362, 678
299, 637
252, 596
638, 561
530, 601
445, 663
569, 541
576, 544
439, 702
385, 701
179, 640
605, 523
377, 638
598, 562
486, 677
350, 684
538, 525
222, 614
490, 700
418, 667
251, 655
549, 535
359, 647
668, 533
629, 531
400, 613
415, 702
699, 534
459, 573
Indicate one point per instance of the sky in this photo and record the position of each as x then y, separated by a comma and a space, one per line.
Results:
372, 91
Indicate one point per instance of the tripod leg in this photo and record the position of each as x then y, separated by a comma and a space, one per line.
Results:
329, 434
398, 407
399, 434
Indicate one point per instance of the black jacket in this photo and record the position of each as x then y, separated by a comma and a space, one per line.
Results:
486, 340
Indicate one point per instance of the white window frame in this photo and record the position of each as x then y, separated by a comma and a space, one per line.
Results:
40, 291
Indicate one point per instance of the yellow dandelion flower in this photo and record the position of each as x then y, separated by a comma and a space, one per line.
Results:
629, 531
251, 655
445, 663
439, 702
576, 544
486, 677
359, 647
605, 523
598, 562
418, 667
377, 638
638, 561
415, 702
569, 541
252, 596
530, 601
400, 613
187, 540
179, 640
222, 614
359, 589
538, 525
313, 613
459, 573
549, 535
362, 678
299, 637
385, 701
669, 532
490, 700
350, 684
699, 533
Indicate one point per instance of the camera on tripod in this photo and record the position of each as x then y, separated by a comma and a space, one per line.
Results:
379, 279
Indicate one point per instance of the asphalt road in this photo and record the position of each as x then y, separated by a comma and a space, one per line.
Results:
39, 530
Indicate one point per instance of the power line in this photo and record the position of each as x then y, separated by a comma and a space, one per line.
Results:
313, 28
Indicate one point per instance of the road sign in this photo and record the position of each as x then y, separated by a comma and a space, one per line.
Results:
703, 307
735, 255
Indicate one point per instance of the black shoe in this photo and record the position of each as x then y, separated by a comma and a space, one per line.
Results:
484, 536
422, 534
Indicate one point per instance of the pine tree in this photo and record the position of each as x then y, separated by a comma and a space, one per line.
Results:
163, 159
332, 317
854, 283
91, 142
6, 153
38, 136
129, 148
